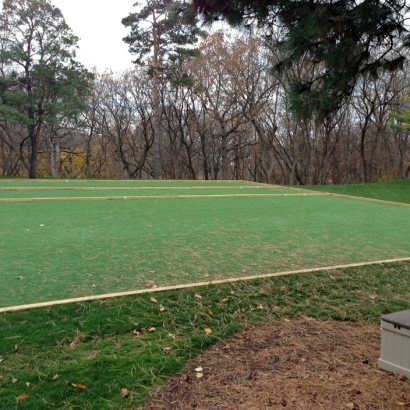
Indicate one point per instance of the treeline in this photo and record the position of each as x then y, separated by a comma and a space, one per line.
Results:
223, 115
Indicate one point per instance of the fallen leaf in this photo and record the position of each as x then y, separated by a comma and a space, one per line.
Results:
22, 397
139, 332
400, 403
224, 300
350, 406
14, 380
151, 284
199, 369
276, 308
94, 286
1, 378
172, 336
124, 393
167, 350
210, 313
16, 348
78, 310
55, 377
1, 358
206, 275
161, 308
208, 331
21, 277
199, 375
151, 271
66, 381
373, 297
28, 384
81, 386
153, 300
172, 323
151, 329
260, 307
197, 296
74, 343
23, 322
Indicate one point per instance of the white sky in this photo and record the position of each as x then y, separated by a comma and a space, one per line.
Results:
98, 24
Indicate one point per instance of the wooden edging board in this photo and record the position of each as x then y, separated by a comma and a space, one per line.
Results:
156, 197
192, 285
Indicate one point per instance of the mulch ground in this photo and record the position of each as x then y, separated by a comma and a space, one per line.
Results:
297, 364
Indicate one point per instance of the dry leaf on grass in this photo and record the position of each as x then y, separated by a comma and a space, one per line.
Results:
151, 329
23, 322
28, 384
208, 330
79, 386
167, 350
22, 397
124, 393
74, 343
210, 313
1, 358
1, 378
139, 332
16, 348
199, 369
55, 377
21, 277
199, 375
198, 296
153, 300
14, 380
161, 308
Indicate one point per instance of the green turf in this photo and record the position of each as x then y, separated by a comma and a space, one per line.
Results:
34, 345
396, 191
89, 248
117, 183
109, 357
132, 192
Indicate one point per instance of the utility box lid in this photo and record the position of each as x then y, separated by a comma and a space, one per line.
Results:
401, 319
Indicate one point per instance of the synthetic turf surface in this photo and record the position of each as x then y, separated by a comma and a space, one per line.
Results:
80, 248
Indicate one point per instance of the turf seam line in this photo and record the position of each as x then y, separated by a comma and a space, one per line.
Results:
192, 285
147, 197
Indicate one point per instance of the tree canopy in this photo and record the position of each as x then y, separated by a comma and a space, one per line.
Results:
40, 79
338, 41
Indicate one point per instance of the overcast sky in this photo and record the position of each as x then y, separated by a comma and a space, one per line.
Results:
98, 24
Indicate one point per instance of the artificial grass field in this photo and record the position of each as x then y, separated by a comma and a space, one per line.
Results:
67, 249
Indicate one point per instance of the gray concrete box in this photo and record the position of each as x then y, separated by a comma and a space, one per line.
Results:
395, 349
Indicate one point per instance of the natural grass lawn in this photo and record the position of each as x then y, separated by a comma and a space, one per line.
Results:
35, 344
141, 191
79, 248
396, 191
108, 356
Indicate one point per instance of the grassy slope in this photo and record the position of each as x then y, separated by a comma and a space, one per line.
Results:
35, 344
397, 191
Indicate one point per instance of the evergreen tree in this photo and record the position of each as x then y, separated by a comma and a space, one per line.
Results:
40, 78
340, 39
160, 30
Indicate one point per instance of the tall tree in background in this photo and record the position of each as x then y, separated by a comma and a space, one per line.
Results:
40, 78
159, 29
344, 38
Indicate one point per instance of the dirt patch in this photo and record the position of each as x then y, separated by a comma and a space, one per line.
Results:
298, 364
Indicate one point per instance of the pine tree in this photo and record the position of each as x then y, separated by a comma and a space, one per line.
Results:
40, 78
341, 39
161, 31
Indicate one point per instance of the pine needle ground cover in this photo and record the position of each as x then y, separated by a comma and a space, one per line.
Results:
67, 249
